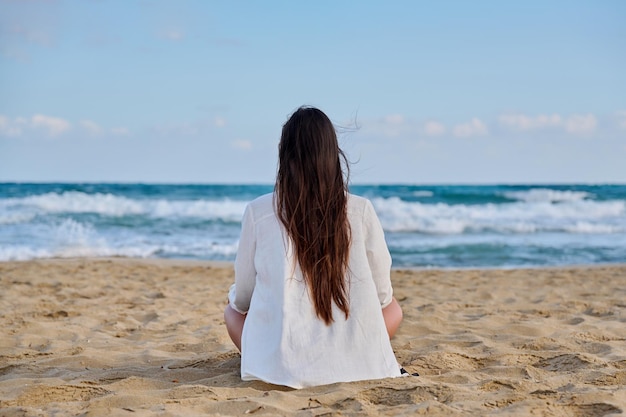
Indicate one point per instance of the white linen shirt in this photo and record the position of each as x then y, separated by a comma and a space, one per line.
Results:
283, 340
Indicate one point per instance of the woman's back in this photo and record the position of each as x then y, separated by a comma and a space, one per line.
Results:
284, 341
311, 203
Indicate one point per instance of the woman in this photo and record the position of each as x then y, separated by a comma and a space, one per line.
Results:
312, 272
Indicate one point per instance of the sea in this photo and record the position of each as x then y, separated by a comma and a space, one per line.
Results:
438, 226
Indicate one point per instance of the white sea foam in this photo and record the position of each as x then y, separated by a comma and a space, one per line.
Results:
225, 210
22, 253
73, 238
86, 249
203, 249
13, 210
540, 195
587, 227
77, 202
575, 216
7, 218
72, 233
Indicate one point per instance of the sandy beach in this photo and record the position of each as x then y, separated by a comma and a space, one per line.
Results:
117, 337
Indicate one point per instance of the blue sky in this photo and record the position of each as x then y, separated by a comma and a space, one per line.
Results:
428, 92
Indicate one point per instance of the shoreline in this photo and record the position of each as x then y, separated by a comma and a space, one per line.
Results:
227, 264
109, 336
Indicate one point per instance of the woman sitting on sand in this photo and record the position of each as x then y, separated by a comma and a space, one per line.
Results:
312, 273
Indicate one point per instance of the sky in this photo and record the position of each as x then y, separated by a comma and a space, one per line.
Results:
422, 92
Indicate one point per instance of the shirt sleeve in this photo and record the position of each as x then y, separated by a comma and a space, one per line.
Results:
240, 293
378, 255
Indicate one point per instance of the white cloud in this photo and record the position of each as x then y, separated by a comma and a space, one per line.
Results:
219, 122
173, 35
91, 127
575, 124
434, 128
11, 128
37, 36
581, 123
474, 127
120, 131
16, 38
523, 122
54, 125
394, 119
242, 145
192, 127
392, 125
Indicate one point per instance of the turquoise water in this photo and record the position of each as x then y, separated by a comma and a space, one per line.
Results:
425, 226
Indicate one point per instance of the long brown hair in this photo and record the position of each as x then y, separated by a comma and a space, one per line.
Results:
311, 200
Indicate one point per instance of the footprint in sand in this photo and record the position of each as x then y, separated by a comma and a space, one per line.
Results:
562, 363
596, 410
618, 379
393, 397
45, 394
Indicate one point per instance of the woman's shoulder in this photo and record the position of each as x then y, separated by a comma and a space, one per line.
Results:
357, 201
263, 200
358, 204
262, 205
